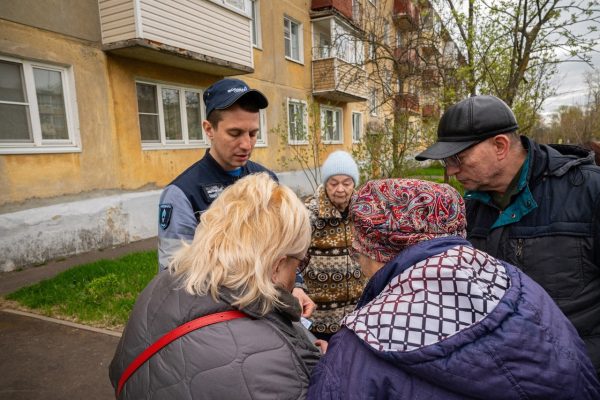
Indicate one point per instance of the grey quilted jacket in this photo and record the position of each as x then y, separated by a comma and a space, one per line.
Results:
266, 357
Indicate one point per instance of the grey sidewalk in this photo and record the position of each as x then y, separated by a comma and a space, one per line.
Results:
42, 359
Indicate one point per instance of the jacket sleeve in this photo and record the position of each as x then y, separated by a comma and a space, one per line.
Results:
176, 224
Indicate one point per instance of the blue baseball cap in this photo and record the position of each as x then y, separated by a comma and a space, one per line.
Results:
224, 93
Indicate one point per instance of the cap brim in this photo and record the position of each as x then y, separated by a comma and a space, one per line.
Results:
440, 150
255, 96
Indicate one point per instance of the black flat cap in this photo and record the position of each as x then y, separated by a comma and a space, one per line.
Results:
468, 122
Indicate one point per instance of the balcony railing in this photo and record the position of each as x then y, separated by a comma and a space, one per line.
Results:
430, 111
337, 80
406, 15
431, 78
344, 7
199, 35
408, 102
408, 59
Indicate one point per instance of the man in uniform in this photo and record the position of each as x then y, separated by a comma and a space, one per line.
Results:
232, 124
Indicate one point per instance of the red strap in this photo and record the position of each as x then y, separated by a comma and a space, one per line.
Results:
171, 336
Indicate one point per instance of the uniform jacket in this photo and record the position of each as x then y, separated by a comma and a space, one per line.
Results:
249, 358
334, 281
551, 231
184, 199
445, 321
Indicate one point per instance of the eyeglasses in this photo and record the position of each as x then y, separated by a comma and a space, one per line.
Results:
452, 161
303, 262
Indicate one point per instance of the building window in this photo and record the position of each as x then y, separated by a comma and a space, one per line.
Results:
386, 33
372, 46
356, 127
297, 122
38, 112
170, 116
292, 34
261, 138
331, 124
255, 15
373, 102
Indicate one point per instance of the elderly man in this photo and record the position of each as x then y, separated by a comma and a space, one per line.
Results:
536, 206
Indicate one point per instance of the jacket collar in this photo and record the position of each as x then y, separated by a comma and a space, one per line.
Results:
405, 260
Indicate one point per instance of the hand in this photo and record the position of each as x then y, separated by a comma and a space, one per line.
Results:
322, 345
308, 306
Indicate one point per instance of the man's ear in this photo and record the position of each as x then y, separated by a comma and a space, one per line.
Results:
208, 129
501, 146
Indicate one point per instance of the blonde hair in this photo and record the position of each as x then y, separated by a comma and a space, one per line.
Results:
240, 238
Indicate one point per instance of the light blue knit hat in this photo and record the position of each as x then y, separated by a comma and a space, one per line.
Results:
339, 163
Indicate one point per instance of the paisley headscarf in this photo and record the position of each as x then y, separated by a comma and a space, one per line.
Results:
391, 214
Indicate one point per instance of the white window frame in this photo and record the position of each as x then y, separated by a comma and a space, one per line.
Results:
304, 109
290, 21
255, 24
340, 124
231, 5
373, 102
185, 142
261, 138
357, 130
38, 144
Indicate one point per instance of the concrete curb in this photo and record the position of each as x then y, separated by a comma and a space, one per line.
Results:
61, 322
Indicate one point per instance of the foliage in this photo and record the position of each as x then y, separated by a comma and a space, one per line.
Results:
307, 155
512, 47
101, 293
574, 124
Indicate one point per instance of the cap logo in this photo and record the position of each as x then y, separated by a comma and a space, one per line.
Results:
237, 90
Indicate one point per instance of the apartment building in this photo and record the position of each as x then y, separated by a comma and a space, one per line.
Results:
101, 104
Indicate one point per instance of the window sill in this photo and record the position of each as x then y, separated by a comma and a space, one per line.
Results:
160, 146
39, 149
294, 61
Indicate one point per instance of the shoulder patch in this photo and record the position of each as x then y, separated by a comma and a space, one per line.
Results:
164, 215
212, 191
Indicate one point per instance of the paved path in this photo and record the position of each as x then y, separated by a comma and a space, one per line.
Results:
46, 360
42, 358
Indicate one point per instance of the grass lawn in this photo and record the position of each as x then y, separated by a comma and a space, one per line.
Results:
100, 294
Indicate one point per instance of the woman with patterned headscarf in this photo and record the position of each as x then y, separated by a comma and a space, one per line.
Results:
441, 320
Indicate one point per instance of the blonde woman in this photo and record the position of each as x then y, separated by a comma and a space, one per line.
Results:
244, 257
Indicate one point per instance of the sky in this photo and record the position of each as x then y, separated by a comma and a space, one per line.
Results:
570, 85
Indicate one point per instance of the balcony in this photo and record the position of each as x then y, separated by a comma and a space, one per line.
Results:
199, 36
344, 7
430, 111
408, 59
406, 15
431, 78
337, 80
408, 102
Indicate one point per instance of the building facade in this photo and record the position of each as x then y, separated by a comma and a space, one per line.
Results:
101, 105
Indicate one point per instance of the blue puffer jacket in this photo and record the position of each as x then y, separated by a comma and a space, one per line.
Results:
518, 344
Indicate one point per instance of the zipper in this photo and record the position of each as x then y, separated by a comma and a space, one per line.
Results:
519, 250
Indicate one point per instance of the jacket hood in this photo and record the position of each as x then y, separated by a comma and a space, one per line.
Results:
559, 158
468, 315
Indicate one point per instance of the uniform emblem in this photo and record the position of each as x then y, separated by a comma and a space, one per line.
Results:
164, 215
211, 192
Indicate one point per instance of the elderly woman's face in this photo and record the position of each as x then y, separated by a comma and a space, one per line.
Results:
339, 190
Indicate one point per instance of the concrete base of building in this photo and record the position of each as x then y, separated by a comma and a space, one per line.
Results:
37, 235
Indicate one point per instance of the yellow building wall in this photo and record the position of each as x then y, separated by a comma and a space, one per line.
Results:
35, 176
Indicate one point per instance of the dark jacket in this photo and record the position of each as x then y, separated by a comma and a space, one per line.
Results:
518, 345
190, 194
250, 358
551, 230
